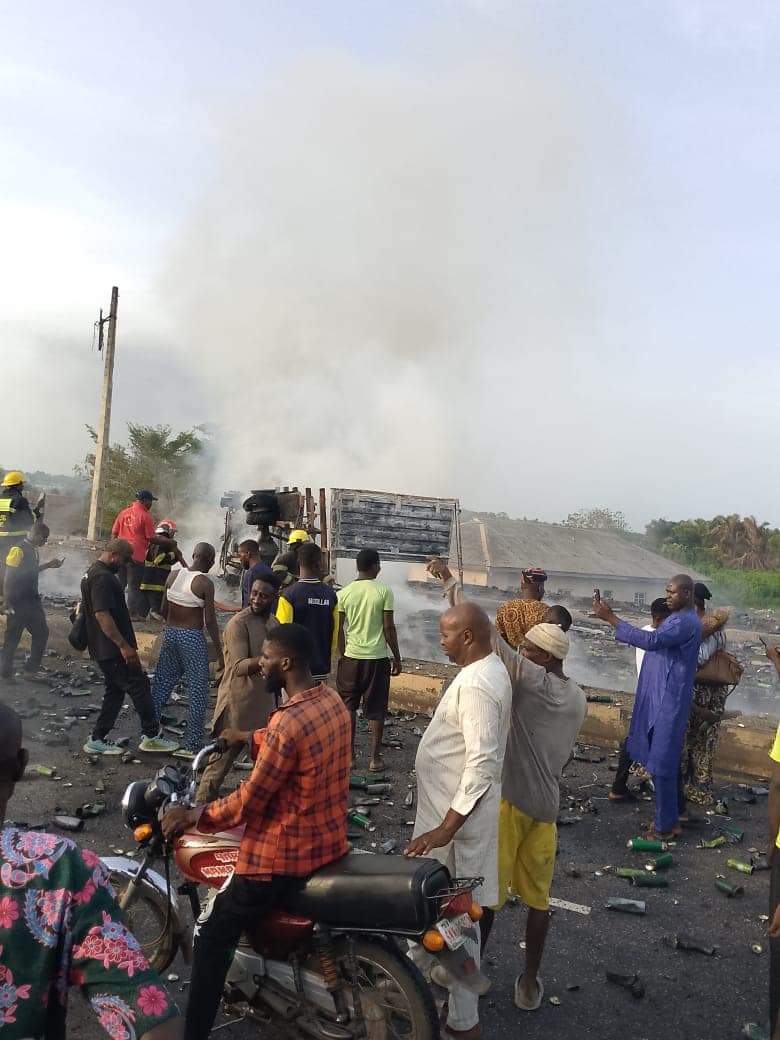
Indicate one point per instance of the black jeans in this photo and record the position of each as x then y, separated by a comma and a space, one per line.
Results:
137, 602
620, 783
121, 680
774, 946
28, 616
234, 908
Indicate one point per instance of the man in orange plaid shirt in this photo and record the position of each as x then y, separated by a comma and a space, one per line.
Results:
293, 807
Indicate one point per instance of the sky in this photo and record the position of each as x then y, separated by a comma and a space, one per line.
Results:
519, 253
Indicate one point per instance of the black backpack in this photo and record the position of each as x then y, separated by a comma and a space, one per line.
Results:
77, 637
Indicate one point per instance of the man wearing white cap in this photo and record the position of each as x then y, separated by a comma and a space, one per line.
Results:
547, 712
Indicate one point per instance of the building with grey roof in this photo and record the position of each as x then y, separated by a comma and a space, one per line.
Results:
577, 560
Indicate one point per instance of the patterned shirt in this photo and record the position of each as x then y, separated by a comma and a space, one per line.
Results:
295, 802
517, 617
60, 926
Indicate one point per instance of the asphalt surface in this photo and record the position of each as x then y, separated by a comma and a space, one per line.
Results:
689, 996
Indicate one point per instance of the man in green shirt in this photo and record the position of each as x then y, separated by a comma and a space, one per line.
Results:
366, 640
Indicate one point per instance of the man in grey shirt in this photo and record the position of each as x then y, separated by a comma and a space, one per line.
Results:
547, 712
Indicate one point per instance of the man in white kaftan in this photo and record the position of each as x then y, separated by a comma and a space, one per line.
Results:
459, 764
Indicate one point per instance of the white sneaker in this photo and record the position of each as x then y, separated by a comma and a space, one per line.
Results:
102, 747
157, 745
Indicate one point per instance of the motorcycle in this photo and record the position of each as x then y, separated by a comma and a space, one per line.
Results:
331, 959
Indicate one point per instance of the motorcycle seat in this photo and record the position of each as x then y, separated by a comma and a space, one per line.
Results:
373, 893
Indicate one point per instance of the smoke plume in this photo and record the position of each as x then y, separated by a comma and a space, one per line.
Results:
382, 269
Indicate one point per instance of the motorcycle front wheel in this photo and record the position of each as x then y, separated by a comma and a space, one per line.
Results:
147, 919
396, 1001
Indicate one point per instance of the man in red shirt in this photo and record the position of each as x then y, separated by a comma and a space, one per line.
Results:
136, 526
293, 807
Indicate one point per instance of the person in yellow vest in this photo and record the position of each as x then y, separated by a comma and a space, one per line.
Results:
24, 609
16, 516
157, 568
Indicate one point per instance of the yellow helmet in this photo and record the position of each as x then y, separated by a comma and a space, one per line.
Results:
12, 478
297, 536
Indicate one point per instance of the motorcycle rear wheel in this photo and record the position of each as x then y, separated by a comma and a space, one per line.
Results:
392, 987
146, 919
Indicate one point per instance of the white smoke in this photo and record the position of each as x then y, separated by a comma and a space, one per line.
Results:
385, 260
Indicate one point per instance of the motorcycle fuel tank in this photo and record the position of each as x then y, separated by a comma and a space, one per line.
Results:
208, 859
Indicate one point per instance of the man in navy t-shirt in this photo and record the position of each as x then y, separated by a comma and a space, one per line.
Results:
312, 603
254, 568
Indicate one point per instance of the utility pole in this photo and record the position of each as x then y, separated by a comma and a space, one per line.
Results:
104, 425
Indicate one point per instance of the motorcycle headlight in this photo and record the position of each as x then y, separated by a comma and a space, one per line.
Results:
134, 807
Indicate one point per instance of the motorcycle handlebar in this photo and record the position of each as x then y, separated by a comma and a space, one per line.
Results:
217, 747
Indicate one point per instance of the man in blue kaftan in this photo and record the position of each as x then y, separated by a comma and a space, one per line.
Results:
663, 694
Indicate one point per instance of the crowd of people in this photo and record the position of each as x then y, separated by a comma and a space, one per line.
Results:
488, 767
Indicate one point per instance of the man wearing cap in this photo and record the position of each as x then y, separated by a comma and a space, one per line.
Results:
546, 715
16, 516
136, 526
157, 568
518, 616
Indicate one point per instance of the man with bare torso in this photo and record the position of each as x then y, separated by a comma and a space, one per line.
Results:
188, 607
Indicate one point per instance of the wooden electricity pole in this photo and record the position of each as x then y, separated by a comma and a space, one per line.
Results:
104, 425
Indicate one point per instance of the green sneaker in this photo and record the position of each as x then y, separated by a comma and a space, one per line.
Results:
157, 745
184, 753
102, 747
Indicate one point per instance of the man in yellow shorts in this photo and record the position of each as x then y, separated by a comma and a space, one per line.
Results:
547, 712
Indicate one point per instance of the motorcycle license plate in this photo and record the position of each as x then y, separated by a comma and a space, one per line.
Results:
451, 930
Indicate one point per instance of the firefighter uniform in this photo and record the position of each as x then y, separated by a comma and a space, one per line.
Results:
157, 568
16, 518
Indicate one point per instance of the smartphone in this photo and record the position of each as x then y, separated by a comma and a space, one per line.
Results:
597, 595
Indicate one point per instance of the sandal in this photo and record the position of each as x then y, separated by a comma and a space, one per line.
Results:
627, 796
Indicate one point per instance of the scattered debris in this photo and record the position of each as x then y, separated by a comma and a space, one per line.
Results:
91, 809
68, 823
730, 890
662, 862
632, 983
687, 942
646, 845
737, 864
645, 880
713, 843
33, 769
626, 906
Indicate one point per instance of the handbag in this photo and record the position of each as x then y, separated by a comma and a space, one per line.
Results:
77, 637
722, 669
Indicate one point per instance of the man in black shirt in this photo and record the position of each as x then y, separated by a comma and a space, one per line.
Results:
312, 603
22, 599
111, 642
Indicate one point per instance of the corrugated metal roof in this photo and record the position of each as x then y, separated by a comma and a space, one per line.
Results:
567, 550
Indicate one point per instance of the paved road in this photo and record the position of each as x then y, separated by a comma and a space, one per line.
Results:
689, 996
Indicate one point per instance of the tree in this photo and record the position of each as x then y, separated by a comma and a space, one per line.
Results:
733, 542
152, 459
597, 519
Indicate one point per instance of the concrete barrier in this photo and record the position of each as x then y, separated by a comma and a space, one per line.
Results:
743, 747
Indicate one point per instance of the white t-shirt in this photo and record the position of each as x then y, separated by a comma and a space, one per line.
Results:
640, 654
